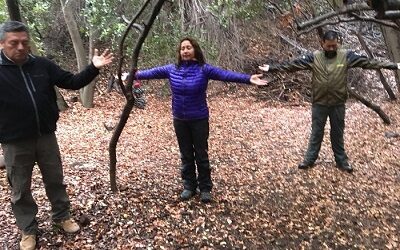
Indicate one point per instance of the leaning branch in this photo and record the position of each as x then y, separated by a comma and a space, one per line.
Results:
344, 10
349, 20
370, 105
135, 25
385, 84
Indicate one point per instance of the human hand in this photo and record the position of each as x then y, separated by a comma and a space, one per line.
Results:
256, 80
102, 60
264, 67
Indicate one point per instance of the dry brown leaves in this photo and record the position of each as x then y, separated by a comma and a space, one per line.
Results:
262, 201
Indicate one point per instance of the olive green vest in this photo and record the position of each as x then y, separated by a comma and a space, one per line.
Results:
329, 80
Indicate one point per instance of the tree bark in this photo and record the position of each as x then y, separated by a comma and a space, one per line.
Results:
13, 10
378, 71
86, 93
2, 162
61, 103
392, 39
130, 99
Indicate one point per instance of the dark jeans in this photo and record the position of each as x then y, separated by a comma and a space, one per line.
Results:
193, 145
20, 158
336, 116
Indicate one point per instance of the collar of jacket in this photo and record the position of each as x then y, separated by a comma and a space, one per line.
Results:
4, 60
188, 63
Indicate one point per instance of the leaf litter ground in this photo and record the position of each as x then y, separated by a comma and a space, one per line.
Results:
261, 199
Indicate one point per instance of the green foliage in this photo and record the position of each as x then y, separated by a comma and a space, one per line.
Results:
3, 11
36, 13
103, 18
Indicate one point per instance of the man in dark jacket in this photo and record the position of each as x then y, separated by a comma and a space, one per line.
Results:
329, 93
28, 116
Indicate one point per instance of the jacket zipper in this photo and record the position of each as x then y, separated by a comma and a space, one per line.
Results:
30, 81
32, 98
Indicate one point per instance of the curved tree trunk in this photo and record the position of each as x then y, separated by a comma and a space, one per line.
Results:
130, 99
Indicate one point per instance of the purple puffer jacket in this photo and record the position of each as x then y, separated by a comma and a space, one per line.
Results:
189, 85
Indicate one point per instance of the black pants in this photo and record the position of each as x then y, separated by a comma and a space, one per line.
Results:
336, 116
193, 145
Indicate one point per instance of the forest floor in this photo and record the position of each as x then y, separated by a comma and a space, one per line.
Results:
261, 199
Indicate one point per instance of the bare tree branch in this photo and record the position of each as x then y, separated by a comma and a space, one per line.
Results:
346, 9
378, 71
349, 20
370, 105
135, 25
378, 21
121, 48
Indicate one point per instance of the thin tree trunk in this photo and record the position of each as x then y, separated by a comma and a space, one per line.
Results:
13, 10
378, 71
2, 162
392, 39
61, 103
128, 90
85, 93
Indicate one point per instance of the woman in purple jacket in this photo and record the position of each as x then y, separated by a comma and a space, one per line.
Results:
189, 79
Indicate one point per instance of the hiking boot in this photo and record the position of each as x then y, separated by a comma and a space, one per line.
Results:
305, 165
205, 197
345, 167
28, 242
69, 226
187, 194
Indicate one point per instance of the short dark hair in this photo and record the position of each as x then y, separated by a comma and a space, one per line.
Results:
198, 53
12, 26
330, 35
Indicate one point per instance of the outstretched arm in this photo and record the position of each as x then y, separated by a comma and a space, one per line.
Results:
356, 60
160, 72
303, 63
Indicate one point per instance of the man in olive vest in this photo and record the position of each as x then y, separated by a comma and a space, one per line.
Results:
329, 93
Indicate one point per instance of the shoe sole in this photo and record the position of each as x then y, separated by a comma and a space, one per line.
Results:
345, 170
306, 167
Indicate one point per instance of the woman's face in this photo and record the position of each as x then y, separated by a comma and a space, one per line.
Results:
187, 51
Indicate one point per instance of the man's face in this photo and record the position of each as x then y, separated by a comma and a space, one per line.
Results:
16, 46
330, 45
